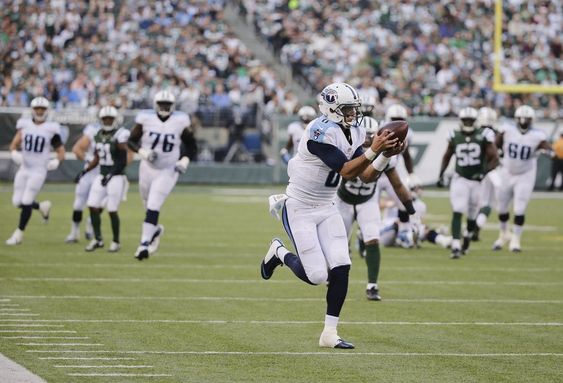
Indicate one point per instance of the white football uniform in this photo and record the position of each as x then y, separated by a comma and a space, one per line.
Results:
157, 179
310, 216
295, 131
85, 183
518, 173
36, 152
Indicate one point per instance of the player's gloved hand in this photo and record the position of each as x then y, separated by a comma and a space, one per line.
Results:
276, 203
441, 183
182, 165
147, 154
285, 156
79, 176
16, 157
53, 164
106, 179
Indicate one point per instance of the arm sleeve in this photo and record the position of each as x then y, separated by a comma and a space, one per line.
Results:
329, 154
120, 161
358, 152
56, 141
189, 145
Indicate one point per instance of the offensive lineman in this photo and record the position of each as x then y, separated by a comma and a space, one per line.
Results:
295, 132
358, 201
331, 148
476, 154
158, 137
35, 136
520, 145
84, 151
111, 154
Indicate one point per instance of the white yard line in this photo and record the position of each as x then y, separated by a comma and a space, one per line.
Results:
257, 281
19, 315
281, 322
38, 331
61, 344
124, 375
106, 366
268, 299
78, 358
45, 337
12, 372
12, 310
29, 325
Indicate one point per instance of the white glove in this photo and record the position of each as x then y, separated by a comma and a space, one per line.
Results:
182, 165
147, 154
276, 202
53, 164
494, 177
16, 157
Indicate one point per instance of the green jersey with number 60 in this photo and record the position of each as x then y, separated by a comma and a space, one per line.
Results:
469, 151
106, 147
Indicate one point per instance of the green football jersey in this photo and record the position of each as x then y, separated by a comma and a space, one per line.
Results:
469, 150
355, 191
106, 146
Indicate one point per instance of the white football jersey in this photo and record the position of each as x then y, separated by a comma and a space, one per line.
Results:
163, 137
520, 150
36, 142
90, 131
295, 132
310, 180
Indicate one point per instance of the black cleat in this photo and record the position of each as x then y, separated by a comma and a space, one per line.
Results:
373, 294
344, 345
456, 254
475, 236
142, 251
271, 260
465, 245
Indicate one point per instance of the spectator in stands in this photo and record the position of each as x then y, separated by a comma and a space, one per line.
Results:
557, 162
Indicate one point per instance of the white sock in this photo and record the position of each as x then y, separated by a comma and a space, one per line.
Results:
148, 232
456, 244
443, 240
517, 230
504, 226
281, 253
370, 285
481, 220
75, 229
331, 322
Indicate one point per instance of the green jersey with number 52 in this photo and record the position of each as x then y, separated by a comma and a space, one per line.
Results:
469, 151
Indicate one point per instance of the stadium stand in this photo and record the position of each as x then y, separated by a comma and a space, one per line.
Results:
435, 56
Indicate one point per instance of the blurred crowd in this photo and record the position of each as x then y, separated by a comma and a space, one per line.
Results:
435, 56
91, 53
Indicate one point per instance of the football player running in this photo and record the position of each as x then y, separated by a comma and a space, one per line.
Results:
358, 201
158, 137
476, 154
331, 148
397, 112
487, 119
520, 145
35, 137
111, 154
84, 151
295, 132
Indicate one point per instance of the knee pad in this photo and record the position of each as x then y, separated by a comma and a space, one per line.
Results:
503, 217
318, 277
519, 220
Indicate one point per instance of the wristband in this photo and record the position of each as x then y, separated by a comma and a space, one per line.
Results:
380, 163
370, 154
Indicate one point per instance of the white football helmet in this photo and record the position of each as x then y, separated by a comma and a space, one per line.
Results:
340, 103
524, 116
370, 124
396, 112
164, 102
307, 114
108, 118
368, 105
486, 117
468, 117
39, 109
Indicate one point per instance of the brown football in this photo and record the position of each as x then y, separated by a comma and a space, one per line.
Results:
400, 128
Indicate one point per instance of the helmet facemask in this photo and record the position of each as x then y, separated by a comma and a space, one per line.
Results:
467, 125
524, 123
164, 108
109, 123
351, 115
39, 114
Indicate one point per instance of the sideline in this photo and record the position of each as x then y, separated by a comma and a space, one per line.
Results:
12, 372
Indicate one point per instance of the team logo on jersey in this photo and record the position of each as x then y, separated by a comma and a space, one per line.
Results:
329, 95
316, 134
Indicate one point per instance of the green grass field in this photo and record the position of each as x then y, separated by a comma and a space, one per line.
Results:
198, 311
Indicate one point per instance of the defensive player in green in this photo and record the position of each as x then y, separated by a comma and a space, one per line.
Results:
111, 154
359, 201
476, 154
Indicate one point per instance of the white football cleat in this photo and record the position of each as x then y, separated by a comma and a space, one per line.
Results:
71, 238
330, 339
94, 244
44, 209
15, 239
155, 242
114, 247
514, 245
502, 239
